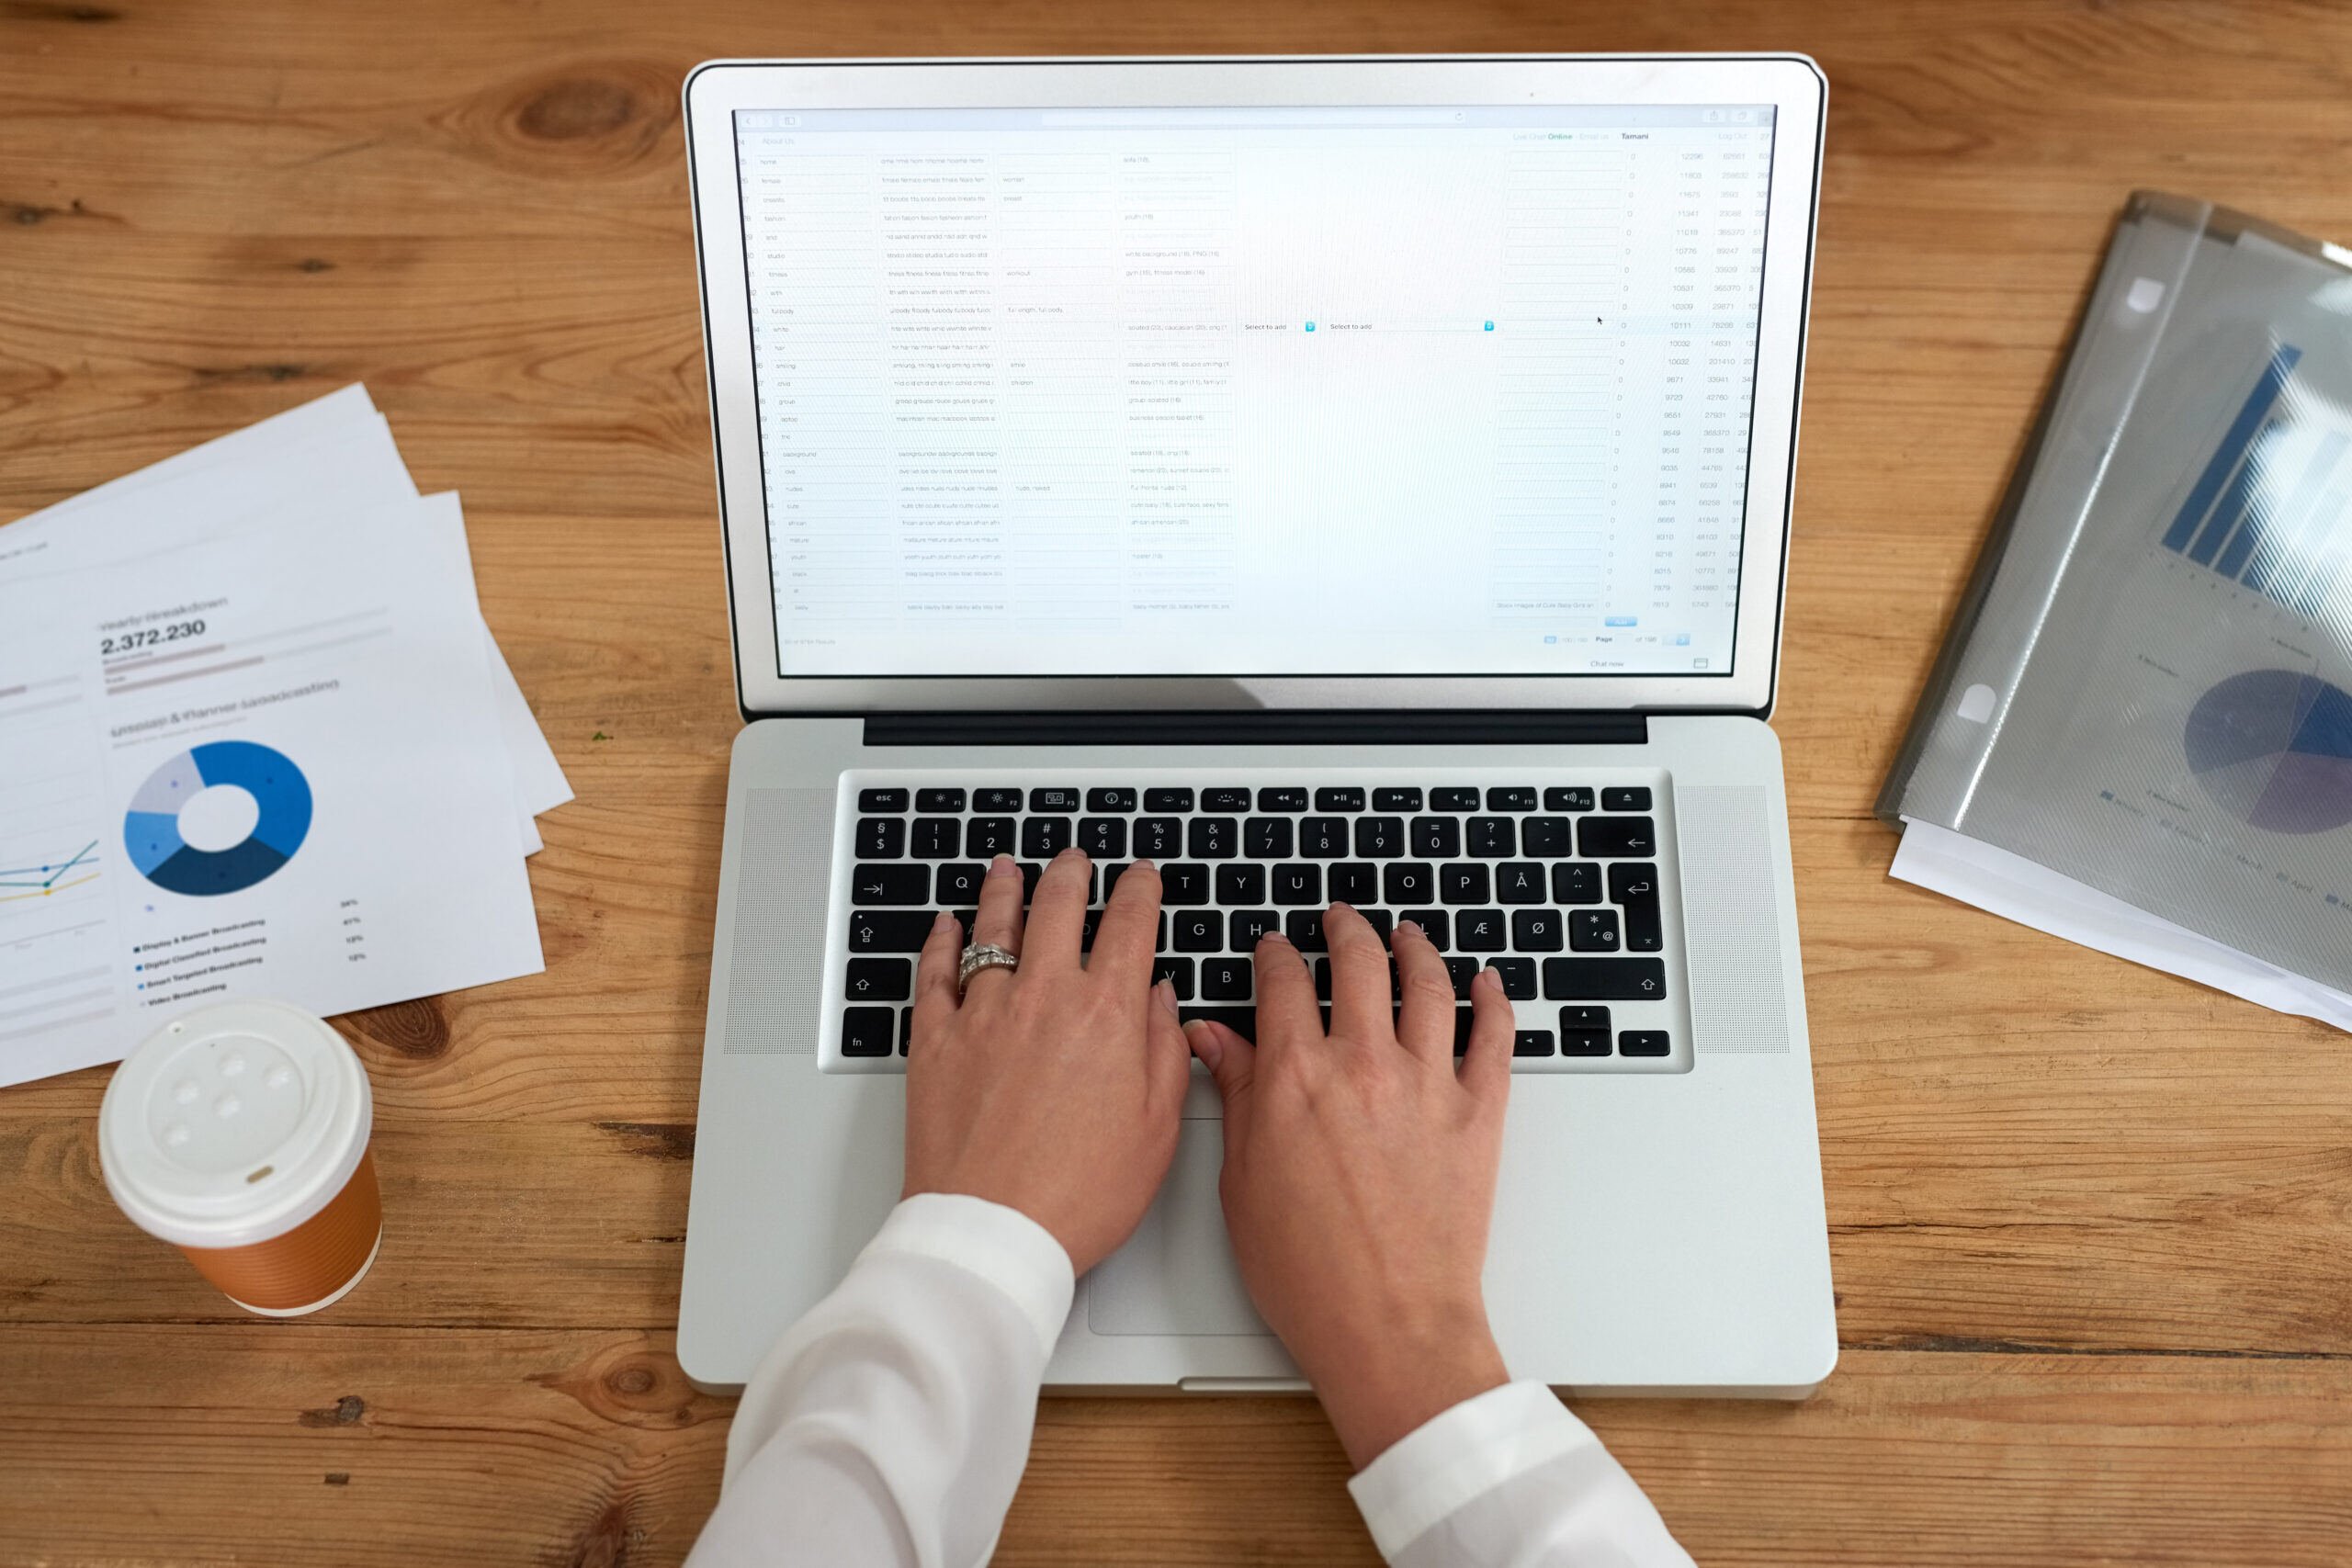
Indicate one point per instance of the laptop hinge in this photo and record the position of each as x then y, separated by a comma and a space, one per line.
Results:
1262, 727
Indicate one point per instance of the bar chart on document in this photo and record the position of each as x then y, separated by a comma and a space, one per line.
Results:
1119, 382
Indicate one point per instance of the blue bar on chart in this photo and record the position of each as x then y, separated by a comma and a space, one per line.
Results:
2227, 456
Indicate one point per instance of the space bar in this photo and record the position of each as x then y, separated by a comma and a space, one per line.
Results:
1604, 979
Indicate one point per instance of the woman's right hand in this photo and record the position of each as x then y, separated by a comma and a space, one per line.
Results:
1360, 1171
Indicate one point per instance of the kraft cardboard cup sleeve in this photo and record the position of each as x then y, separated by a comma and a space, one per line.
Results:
238, 1132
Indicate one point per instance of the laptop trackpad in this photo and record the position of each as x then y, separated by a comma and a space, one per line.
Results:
1176, 1275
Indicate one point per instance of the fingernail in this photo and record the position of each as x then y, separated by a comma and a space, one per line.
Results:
1413, 926
1337, 907
1492, 977
1144, 865
1275, 937
1071, 852
1003, 866
1166, 992
1205, 1045
946, 918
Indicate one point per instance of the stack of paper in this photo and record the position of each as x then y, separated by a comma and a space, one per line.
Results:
256, 739
2139, 734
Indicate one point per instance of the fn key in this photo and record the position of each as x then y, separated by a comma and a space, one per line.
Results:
869, 1032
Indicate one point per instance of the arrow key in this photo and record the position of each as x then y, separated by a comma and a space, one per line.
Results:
879, 980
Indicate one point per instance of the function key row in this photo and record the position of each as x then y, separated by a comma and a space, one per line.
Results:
1343, 798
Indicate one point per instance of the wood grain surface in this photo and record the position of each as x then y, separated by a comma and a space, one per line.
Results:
2092, 1227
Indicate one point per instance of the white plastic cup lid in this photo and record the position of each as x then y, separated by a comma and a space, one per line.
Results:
234, 1124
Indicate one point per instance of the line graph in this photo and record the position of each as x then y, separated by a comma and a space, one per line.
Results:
46, 880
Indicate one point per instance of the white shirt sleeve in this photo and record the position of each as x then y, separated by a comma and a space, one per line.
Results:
891, 1423
1510, 1479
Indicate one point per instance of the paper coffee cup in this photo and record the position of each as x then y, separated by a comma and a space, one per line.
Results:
238, 1132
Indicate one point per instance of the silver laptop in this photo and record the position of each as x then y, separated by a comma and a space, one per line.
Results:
1332, 478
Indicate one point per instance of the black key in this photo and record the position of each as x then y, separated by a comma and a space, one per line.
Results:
1225, 979
1511, 797
1434, 924
1168, 800
1244, 927
1616, 837
1214, 838
1224, 800
1493, 838
1604, 979
1453, 800
960, 884
1593, 930
890, 884
1353, 882
1305, 929
939, 800
1183, 884
1633, 887
1298, 884
1381, 920
1158, 837
1519, 977
1087, 924
879, 980
1530, 1042
1536, 930
1103, 838
1199, 930
1463, 884
1409, 882
1053, 800
1282, 800
1042, 837
1242, 1021
1645, 1042
1544, 836
881, 838
1479, 931
868, 1031
1379, 838
1110, 800
996, 800
1631, 798
1462, 1017
1177, 972
1241, 884
1575, 799
1518, 882
1266, 838
881, 800
1339, 797
1030, 872
874, 931
1440, 838
1323, 837
1396, 800
988, 837
1583, 1041
906, 1029
1575, 882
1111, 879
1586, 1018
936, 838
965, 918
1462, 971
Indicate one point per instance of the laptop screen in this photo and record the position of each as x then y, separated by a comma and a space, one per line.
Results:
1250, 391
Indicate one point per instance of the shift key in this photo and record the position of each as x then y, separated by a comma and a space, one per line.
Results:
889, 931
1604, 979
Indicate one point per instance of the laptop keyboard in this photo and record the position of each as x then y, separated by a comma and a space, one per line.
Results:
1557, 883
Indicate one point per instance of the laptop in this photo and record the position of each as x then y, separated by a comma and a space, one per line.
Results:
1331, 478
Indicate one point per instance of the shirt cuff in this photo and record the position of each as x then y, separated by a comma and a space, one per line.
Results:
1460, 1455
1002, 1245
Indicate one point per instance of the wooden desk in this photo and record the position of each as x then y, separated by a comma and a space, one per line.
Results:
2092, 1226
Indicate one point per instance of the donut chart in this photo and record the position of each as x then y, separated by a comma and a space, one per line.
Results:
150, 829
2273, 747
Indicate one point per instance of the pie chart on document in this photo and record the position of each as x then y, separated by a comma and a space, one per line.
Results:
2273, 747
218, 818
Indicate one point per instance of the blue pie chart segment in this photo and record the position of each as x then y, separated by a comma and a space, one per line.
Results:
2274, 748
151, 828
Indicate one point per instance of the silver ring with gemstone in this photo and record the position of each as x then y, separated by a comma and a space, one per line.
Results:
982, 955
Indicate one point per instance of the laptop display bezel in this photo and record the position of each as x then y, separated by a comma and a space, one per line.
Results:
1792, 84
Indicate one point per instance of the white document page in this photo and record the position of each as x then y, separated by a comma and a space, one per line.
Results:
265, 765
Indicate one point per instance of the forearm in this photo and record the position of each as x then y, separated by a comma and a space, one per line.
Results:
1510, 1480
890, 1424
